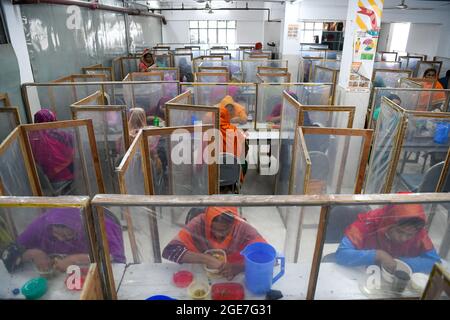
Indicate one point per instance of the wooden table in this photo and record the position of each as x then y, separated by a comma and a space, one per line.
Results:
141, 281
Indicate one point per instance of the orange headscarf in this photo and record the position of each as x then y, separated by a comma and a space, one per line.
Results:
231, 135
210, 214
239, 111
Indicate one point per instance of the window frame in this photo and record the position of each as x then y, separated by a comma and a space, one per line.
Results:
216, 29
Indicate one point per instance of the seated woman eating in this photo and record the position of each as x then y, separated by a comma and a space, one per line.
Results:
216, 228
393, 231
60, 232
237, 111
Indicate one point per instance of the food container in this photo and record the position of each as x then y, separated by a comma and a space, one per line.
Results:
182, 279
227, 291
389, 277
419, 282
198, 290
35, 288
218, 254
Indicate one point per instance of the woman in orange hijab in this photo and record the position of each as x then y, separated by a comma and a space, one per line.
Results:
237, 111
233, 139
216, 228
431, 101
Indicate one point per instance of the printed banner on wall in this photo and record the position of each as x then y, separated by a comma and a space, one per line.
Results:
368, 21
292, 31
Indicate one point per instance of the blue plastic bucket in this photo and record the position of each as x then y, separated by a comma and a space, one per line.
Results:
260, 261
160, 297
441, 133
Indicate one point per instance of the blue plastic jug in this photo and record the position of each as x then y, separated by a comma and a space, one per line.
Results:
441, 133
260, 261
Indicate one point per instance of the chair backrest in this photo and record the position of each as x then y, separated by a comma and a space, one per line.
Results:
230, 169
339, 219
431, 178
320, 165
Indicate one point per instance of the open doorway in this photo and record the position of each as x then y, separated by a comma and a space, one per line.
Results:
398, 37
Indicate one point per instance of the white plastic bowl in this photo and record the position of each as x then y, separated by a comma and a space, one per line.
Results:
419, 281
212, 252
389, 277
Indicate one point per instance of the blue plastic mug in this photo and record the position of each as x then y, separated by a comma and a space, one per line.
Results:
260, 261
441, 133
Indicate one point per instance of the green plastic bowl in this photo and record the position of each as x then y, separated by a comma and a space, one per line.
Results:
35, 288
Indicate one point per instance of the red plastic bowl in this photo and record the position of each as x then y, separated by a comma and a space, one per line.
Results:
227, 291
183, 279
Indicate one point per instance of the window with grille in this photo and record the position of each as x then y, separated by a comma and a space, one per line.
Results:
212, 31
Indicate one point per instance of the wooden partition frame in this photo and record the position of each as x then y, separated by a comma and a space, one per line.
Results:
109, 108
438, 283
399, 140
87, 123
17, 135
98, 97
158, 69
213, 169
365, 133
407, 58
192, 107
323, 201
99, 67
382, 53
199, 75
14, 111
264, 70
438, 71
212, 69
351, 110
334, 79
5, 99
93, 288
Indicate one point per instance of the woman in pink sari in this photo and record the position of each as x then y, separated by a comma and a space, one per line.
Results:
53, 151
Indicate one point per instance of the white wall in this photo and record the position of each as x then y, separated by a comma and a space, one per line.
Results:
422, 39
249, 25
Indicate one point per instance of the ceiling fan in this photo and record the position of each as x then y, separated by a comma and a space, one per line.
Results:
403, 6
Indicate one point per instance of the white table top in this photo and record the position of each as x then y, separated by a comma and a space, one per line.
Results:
141, 281
56, 286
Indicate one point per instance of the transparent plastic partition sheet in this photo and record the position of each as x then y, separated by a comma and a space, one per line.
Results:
184, 63
335, 162
151, 247
168, 74
130, 65
134, 174
314, 63
57, 233
275, 78
389, 79
106, 72
251, 68
13, 173
64, 161
410, 63
354, 273
383, 148
8, 122
270, 99
163, 60
212, 78
110, 138
213, 94
424, 65
188, 175
287, 133
425, 100
184, 117
301, 165
148, 95
425, 146
322, 75
148, 76
315, 95
409, 83
325, 118
386, 65
332, 64
59, 97
445, 65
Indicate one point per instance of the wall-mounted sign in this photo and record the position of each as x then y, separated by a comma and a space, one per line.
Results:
292, 31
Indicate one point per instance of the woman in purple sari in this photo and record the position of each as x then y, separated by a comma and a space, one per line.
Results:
60, 232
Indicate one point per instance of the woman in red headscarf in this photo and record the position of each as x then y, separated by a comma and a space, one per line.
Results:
216, 228
146, 61
393, 231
